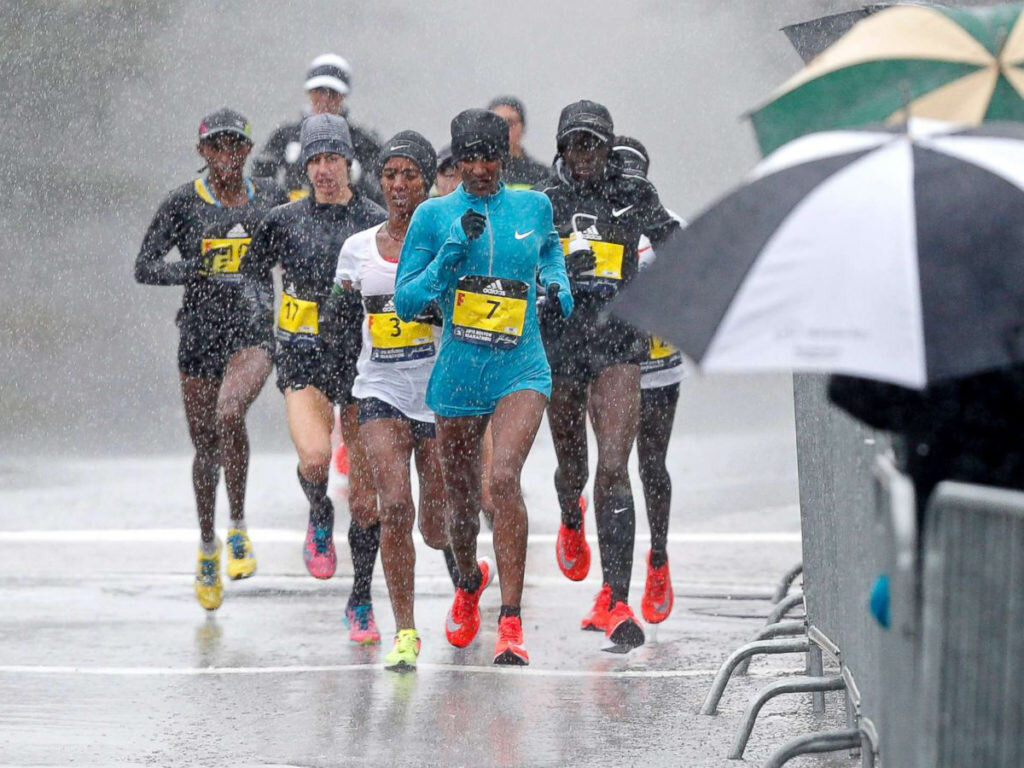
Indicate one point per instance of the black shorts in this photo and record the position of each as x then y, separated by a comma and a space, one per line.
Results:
204, 347
316, 367
661, 398
372, 408
585, 343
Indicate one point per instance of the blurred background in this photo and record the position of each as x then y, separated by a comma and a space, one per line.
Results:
99, 112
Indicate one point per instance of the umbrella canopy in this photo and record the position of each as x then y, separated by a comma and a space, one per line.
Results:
963, 65
897, 256
810, 38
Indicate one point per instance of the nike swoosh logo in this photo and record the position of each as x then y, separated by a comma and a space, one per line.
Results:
621, 211
565, 561
525, 234
663, 606
450, 624
620, 510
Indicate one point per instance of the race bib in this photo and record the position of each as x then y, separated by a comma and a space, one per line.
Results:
609, 260
222, 257
393, 341
297, 322
489, 311
661, 356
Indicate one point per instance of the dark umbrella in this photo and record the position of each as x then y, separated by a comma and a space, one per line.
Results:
896, 255
812, 37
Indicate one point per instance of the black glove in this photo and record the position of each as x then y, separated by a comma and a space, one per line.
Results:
580, 261
473, 224
431, 315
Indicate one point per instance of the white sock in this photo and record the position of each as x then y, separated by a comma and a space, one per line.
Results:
208, 547
238, 525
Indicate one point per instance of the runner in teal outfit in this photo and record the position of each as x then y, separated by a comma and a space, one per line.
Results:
478, 253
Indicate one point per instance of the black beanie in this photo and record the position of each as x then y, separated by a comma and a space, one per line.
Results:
630, 155
413, 146
479, 132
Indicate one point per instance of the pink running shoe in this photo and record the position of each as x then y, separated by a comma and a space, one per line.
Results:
318, 552
362, 629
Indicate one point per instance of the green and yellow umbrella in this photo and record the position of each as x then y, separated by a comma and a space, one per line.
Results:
963, 65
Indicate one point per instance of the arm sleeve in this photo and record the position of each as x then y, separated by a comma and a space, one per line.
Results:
657, 222
425, 272
551, 265
151, 267
261, 257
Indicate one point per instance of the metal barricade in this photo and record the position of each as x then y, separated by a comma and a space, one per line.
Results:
972, 629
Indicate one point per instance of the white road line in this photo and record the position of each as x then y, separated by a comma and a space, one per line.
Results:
293, 536
16, 669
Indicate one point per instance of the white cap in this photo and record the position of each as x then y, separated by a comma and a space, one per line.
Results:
329, 71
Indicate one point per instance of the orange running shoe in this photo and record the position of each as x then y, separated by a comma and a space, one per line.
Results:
658, 597
623, 628
463, 620
572, 549
509, 649
597, 619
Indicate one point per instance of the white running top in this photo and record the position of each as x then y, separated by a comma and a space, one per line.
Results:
397, 358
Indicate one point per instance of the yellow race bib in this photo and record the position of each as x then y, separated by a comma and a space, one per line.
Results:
393, 341
661, 356
489, 311
298, 321
222, 257
609, 259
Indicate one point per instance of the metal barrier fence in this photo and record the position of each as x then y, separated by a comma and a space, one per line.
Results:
945, 683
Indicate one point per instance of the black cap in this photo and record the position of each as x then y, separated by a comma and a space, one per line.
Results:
325, 134
415, 147
478, 132
225, 120
509, 101
444, 158
630, 155
586, 116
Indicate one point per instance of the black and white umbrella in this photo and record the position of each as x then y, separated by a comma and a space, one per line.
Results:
894, 255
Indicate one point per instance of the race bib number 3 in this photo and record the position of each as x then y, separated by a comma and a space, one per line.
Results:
222, 257
609, 259
393, 341
297, 321
489, 311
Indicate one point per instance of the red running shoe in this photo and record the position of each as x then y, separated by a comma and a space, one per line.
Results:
597, 619
509, 649
658, 597
463, 620
623, 628
572, 550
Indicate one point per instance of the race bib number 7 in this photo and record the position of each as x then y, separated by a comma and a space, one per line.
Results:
489, 311
298, 320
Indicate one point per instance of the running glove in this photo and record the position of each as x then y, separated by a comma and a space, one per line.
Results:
473, 224
580, 261
554, 291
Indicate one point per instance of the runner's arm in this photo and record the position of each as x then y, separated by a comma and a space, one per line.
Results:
151, 267
425, 272
257, 283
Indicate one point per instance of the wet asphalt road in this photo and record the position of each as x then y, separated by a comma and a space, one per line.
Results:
107, 660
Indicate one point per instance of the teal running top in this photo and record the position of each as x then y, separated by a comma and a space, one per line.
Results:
482, 358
